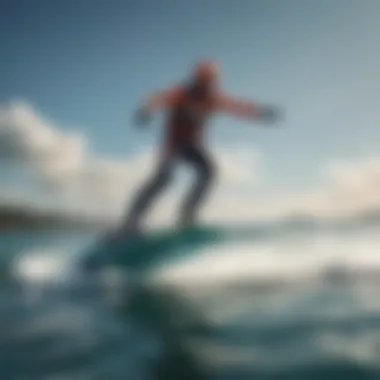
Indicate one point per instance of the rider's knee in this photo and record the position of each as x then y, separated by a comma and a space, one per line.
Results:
208, 172
163, 178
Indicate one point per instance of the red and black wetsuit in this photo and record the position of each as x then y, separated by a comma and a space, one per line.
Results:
183, 140
187, 118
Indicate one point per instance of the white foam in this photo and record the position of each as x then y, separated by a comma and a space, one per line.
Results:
288, 258
297, 257
41, 266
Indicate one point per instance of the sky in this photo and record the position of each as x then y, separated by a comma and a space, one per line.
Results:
73, 72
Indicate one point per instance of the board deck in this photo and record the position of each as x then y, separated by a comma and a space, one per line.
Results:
144, 251
157, 247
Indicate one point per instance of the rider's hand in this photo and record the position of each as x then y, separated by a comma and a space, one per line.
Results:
142, 118
269, 114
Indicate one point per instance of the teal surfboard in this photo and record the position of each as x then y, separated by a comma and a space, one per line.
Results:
157, 247
154, 247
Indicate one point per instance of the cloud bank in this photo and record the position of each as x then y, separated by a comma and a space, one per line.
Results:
62, 165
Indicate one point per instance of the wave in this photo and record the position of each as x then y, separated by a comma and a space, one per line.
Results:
256, 289
281, 258
243, 256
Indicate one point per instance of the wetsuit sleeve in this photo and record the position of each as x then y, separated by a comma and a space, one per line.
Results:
162, 99
237, 107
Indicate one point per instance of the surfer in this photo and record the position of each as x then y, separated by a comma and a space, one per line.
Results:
188, 107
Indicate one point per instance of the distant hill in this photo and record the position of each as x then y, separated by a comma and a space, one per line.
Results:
307, 221
19, 217
369, 216
22, 217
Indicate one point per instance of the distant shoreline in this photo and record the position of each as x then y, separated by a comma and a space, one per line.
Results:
17, 218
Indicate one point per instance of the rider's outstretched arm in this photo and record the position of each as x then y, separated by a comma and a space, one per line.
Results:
245, 109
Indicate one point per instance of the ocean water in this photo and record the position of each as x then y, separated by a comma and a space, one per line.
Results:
299, 302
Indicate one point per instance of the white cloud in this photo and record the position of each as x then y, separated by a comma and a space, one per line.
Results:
355, 185
240, 166
351, 187
61, 161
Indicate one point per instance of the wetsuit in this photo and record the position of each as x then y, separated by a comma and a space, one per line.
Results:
183, 142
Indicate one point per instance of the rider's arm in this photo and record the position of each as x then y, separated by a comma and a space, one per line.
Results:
163, 99
245, 109
237, 107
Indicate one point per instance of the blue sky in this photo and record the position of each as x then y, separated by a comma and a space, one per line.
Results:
86, 64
